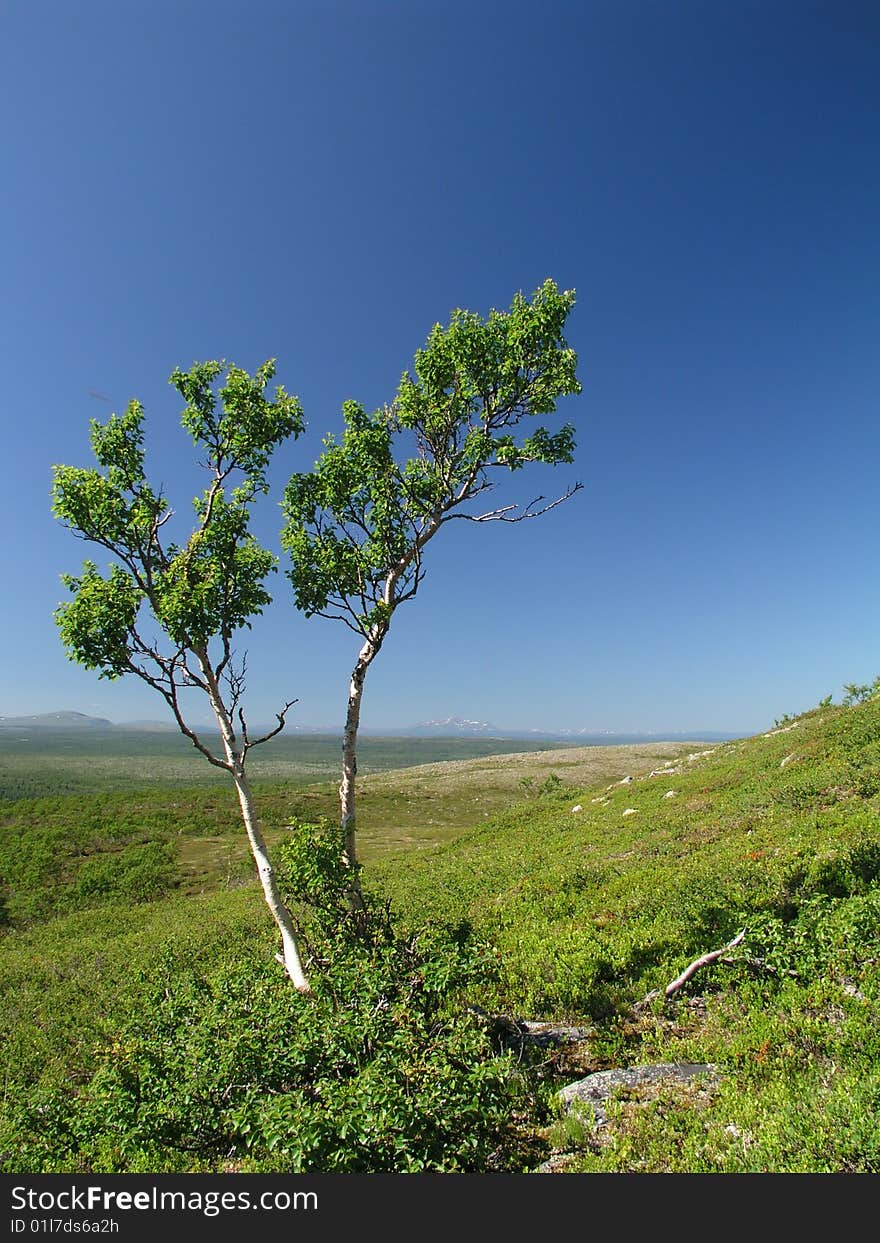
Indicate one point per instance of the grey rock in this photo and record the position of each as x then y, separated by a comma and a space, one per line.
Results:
553, 1034
520, 1034
601, 1086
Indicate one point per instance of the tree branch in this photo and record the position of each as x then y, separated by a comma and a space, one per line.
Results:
245, 740
506, 513
169, 694
703, 961
354, 625
255, 742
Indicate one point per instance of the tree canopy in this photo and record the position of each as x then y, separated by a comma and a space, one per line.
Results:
168, 612
196, 593
356, 527
357, 524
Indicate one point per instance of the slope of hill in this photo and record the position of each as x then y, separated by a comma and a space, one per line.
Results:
594, 896
596, 900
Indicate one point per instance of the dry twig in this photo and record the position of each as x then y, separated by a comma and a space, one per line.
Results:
703, 961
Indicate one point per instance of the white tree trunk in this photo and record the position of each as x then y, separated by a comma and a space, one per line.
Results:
365, 658
291, 956
290, 949
349, 765
373, 642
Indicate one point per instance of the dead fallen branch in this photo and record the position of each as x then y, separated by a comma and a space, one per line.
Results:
703, 961
520, 1035
758, 964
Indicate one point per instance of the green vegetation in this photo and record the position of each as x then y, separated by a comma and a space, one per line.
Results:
49, 844
51, 762
169, 614
854, 693
232, 1069
160, 1035
357, 527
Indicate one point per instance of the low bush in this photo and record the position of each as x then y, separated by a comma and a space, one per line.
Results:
381, 1068
136, 873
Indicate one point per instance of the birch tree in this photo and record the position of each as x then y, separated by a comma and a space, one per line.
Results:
168, 613
357, 526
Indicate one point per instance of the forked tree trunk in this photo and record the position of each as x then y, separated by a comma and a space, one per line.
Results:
347, 806
290, 949
370, 650
349, 761
290, 956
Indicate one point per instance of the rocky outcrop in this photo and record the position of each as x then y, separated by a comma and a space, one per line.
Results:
519, 1035
598, 1088
588, 1097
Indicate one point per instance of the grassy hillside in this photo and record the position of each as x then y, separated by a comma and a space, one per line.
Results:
72, 851
587, 912
47, 762
592, 910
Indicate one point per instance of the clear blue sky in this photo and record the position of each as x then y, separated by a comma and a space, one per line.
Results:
321, 182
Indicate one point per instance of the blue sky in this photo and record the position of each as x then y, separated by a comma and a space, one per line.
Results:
321, 182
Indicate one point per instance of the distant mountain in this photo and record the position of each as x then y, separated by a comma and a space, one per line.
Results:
55, 720
453, 727
464, 727
685, 735
441, 727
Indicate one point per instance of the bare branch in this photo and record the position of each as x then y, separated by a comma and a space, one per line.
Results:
355, 541
225, 658
245, 740
168, 689
703, 961
353, 620
190, 678
506, 513
255, 742
234, 678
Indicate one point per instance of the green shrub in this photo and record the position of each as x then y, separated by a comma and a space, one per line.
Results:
311, 870
137, 873
835, 874
381, 1068
854, 693
375, 1071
